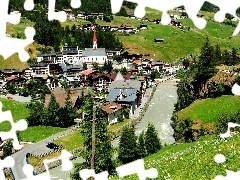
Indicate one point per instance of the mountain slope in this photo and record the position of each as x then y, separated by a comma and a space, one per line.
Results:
194, 160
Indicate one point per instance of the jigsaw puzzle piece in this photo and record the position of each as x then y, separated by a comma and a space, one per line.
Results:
64, 157
66, 166
13, 45
193, 10
5, 17
161, 5
20, 125
137, 167
116, 5
52, 15
164, 6
228, 133
10, 46
29, 5
75, 3
6, 163
87, 173
28, 171
226, 7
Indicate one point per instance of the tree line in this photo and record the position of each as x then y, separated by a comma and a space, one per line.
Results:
51, 33
51, 115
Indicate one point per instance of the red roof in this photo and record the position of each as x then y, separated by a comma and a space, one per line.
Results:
11, 78
87, 72
110, 107
137, 61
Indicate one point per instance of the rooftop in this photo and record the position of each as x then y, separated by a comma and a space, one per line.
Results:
110, 107
129, 94
94, 52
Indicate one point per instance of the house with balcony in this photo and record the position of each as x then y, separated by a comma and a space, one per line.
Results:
102, 81
126, 92
40, 69
112, 111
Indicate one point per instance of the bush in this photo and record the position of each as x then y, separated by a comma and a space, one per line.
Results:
120, 118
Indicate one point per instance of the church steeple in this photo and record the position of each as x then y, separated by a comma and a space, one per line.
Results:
95, 39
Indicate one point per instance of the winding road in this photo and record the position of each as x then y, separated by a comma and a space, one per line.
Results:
20, 156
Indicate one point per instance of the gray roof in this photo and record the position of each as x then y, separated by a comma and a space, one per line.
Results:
66, 68
94, 52
119, 77
126, 84
39, 65
129, 93
11, 71
46, 55
66, 52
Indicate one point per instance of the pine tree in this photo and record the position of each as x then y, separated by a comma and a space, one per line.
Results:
7, 148
218, 55
152, 141
36, 109
69, 111
128, 145
52, 112
103, 160
235, 59
205, 66
141, 145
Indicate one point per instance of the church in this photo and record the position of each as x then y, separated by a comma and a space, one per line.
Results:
94, 54
73, 55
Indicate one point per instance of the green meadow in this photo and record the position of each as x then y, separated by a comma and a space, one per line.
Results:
31, 134
194, 160
208, 110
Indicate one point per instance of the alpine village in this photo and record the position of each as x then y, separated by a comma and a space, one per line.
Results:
110, 89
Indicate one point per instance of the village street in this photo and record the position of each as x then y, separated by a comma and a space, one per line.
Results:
159, 113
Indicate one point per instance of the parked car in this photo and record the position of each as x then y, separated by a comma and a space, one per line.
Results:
52, 146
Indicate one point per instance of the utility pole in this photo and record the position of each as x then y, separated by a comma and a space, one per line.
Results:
93, 138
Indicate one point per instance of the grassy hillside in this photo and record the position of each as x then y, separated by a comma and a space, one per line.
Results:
19, 111
17, 31
178, 42
194, 160
208, 110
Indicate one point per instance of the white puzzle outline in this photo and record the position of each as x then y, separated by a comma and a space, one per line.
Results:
6, 50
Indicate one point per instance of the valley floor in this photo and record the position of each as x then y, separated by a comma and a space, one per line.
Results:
159, 113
